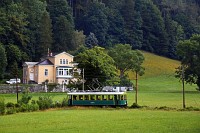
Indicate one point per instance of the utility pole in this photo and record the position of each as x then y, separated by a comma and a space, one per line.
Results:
183, 84
17, 87
83, 79
136, 88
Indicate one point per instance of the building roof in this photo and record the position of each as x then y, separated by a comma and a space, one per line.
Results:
29, 63
63, 53
45, 62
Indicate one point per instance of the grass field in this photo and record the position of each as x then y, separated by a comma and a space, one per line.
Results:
101, 121
157, 88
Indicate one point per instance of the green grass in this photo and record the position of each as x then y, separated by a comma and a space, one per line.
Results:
156, 65
101, 120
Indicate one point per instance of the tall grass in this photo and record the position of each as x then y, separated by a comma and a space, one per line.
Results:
156, 65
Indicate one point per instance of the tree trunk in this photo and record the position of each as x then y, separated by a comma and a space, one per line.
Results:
136, 88
121, 73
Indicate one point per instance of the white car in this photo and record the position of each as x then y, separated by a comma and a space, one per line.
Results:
13, 81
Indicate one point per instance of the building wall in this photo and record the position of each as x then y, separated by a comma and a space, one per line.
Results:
41, 73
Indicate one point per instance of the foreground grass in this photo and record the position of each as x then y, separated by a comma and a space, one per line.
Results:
101, 120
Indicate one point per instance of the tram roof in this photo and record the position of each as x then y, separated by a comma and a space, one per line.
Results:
96, 93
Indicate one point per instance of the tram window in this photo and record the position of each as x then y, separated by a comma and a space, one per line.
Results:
92, 97
125, 97
110, 97
74, 97
118, 97
69, 97
86, 97
80, 97
122, 98
98, 97
104, 97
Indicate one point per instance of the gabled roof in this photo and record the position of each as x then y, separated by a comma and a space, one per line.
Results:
45, 62
29, 63
63, 53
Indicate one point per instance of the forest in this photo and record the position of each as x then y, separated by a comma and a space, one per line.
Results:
31, 28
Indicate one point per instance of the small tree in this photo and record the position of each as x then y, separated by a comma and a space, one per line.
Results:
127, 59
189, 51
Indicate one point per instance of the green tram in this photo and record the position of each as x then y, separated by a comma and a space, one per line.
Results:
97, 99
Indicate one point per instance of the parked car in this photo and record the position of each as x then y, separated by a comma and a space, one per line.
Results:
13, 81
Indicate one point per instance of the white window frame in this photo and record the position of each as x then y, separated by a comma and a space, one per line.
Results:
64, 61
63, 72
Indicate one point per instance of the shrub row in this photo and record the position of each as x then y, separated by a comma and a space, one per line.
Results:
24, 104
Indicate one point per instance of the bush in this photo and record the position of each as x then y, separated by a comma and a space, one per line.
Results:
135, 105
58, 104
11, 110
51, 86
9, 105
45, 102
17, 105
65, 102
23, 107
25, 99
2, 106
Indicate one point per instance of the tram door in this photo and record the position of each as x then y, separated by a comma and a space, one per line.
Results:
115, 98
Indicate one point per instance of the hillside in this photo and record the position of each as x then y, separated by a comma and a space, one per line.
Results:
157, 65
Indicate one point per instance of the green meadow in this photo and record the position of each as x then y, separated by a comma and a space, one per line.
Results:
159, 93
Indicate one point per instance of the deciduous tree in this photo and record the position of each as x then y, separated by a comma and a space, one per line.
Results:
189, 51
96, 64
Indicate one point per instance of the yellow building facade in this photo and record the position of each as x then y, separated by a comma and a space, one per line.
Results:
55, 68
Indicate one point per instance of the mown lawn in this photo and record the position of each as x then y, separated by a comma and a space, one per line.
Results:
101, 121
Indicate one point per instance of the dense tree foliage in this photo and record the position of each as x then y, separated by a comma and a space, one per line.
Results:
34, 26
3, 61
97, 64
126, 59
189, 50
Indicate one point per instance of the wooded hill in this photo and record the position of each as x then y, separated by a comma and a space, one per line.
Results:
28, 28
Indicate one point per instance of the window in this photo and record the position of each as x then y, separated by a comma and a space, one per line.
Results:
98, 97
63, 72
104, 97
92, 97
80, 97
86, 97
110, 97
74, 97
46, 72
63, 61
